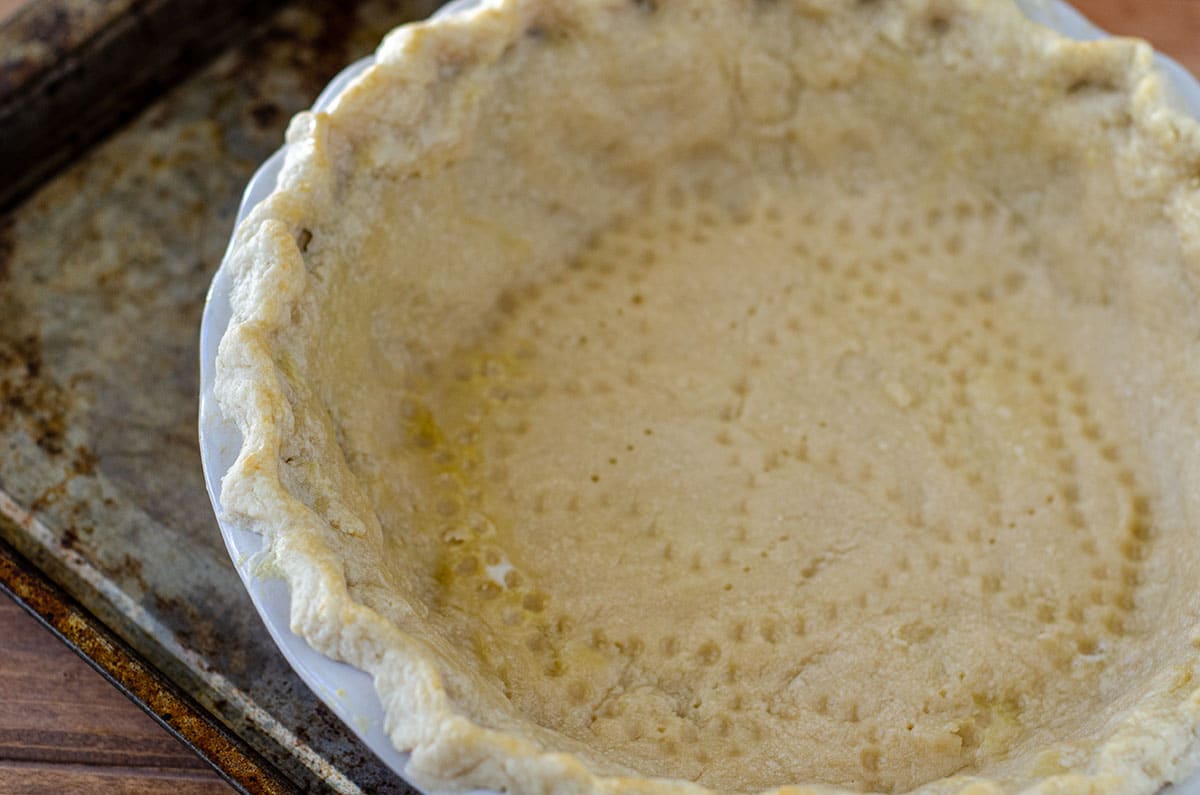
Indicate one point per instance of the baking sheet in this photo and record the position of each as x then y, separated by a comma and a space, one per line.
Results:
103, 274
73, 70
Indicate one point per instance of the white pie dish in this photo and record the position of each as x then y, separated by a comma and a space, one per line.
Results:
347, 691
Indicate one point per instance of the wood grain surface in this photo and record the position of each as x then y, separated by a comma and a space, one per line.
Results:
1172, 26
10, 7
63, 729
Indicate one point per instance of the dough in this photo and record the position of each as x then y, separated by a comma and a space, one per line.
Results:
681, 396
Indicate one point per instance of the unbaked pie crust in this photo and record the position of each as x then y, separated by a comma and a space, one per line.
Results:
727, 395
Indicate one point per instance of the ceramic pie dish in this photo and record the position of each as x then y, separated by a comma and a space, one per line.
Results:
684, 397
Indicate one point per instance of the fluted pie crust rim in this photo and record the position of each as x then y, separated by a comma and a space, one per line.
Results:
422, 70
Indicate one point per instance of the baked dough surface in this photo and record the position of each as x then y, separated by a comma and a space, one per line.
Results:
667, 396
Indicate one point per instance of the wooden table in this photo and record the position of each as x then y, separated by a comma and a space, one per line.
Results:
1172, 26
10, 7
64, 729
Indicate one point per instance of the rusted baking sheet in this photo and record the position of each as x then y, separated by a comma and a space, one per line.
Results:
72, 70
103, 273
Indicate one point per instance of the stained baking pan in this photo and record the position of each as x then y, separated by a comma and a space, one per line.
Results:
103, 274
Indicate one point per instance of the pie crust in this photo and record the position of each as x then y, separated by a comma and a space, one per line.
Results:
756, 395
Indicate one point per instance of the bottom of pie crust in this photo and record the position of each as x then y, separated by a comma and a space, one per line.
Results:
788, 486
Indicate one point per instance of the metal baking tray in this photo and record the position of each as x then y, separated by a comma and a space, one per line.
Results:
103, 274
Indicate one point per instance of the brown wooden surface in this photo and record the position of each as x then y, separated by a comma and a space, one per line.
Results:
1172, 26
64, 729
9, 7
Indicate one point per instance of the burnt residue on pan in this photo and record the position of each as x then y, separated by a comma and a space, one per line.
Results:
103, 274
